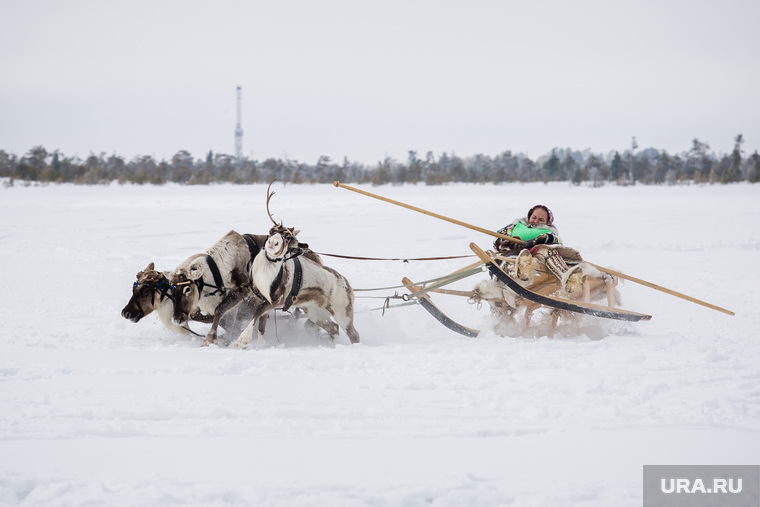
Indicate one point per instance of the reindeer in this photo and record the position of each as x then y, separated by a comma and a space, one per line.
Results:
218, 281
152, 292
287, 274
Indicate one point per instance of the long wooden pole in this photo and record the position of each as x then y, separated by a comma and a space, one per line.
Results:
662, 289
514, 240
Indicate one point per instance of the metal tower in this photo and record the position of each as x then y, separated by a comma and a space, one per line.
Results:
239, 127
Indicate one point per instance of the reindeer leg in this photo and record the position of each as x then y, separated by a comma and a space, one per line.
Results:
347, 323
231, 300
259, 315
344, 316
352, 333
331, 328
233, 322
262, 327
312, 327
246, 337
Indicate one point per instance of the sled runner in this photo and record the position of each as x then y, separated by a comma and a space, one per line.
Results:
424, 300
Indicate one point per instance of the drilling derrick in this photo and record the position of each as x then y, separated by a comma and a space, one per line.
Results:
239, 127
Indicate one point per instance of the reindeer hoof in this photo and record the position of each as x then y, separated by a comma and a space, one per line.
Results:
242, 344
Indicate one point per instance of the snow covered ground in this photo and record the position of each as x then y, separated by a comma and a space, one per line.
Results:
96, 410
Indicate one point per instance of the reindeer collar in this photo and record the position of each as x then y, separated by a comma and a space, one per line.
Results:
290, 253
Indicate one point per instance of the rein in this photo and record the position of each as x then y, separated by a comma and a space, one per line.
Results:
438, 282
394, 259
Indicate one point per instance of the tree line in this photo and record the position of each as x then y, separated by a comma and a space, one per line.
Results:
646, 166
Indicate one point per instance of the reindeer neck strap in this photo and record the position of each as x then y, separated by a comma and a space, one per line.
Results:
296, 287
289, 254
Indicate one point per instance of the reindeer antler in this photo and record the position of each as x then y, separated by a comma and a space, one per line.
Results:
269, 196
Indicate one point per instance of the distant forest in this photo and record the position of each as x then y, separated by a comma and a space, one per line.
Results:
647, 166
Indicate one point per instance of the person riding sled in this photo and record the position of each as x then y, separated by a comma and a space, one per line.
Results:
541, 241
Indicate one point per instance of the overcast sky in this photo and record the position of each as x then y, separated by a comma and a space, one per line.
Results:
375, 79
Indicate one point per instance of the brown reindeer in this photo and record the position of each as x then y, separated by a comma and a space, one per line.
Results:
152, 292
217, 281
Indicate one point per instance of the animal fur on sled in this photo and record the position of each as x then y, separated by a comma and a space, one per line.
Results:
496, 292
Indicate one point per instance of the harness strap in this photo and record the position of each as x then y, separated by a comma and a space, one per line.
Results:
290, 253
277, 281
217, 276
164, 289
253, 248
294, 253
296, 287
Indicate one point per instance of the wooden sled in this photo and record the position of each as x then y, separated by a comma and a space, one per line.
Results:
542, 289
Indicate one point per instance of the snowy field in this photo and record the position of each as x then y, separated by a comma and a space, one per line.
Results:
97, 410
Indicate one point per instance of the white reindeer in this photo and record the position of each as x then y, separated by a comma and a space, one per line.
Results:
288, 275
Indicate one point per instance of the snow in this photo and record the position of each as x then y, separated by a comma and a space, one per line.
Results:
97, 410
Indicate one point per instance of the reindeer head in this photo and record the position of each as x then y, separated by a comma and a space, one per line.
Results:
281, 241
150, 289
187, 282
281, 238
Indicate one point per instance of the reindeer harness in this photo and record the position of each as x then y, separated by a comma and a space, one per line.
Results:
162, 287
219, 283
292, 296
